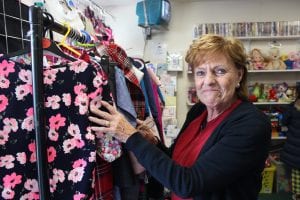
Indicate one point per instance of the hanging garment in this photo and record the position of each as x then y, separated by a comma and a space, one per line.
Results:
69, 89
119, 55
103, 180
124, 102
150, 97
125, 180
158, 119
146, 86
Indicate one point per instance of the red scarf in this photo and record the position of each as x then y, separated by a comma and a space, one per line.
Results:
192, 139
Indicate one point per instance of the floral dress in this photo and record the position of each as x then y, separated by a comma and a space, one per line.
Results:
69, 89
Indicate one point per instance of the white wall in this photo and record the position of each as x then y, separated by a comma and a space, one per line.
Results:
180, 34
126, 32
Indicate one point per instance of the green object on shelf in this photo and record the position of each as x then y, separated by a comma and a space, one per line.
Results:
39, 4
257, 90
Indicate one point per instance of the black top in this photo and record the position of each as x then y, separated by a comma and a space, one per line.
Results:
291, 150
229, 166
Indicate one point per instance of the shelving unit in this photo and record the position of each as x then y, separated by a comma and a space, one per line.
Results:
274, 71
291, 37
255, 103
273, 77
271, 103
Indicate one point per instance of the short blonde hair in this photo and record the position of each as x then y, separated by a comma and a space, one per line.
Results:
233, 49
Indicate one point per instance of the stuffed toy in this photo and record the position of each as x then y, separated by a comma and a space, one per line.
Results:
257, 60
281, 89
265, 87
287, 61
296, 63
275, 62
272, 94
290, 93
290, 60
256, 91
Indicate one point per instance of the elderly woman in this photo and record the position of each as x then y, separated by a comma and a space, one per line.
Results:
221, 149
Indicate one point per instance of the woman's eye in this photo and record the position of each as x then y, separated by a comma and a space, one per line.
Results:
220, 71
200, 73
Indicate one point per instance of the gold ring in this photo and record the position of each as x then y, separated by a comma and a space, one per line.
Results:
108, 123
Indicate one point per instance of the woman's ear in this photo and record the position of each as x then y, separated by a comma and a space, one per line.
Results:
241, 74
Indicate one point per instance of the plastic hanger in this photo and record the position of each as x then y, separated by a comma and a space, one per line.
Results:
63, 44
52, 47
141, 63
85, 45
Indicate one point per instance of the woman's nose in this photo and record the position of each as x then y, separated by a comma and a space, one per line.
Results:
209, 78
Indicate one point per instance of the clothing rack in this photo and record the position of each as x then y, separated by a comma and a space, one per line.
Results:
14, 26
63, 30
37, 23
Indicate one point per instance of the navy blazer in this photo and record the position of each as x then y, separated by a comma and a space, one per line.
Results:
291, 150
229, 166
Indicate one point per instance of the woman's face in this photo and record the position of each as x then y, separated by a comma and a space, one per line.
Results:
216, 81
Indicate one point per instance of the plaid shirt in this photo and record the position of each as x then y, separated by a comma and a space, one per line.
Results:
103, 180
119, 55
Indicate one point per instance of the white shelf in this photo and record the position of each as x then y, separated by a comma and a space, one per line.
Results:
279, 138
274, 71
292, 37
271, 103
255, 103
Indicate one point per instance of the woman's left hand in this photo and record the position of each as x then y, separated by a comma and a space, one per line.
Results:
111, 122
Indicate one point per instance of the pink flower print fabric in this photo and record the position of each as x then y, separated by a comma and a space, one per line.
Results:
3, 102
71, 146
108, 148
6, 68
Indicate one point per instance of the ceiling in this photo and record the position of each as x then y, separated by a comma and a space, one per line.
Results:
106, 3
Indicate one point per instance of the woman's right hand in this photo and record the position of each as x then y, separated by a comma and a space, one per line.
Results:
111, 122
